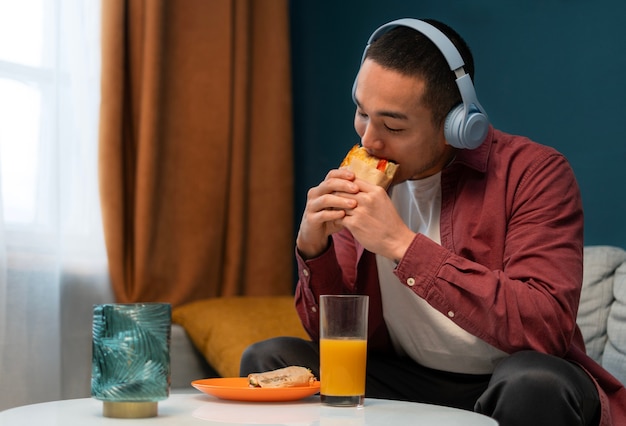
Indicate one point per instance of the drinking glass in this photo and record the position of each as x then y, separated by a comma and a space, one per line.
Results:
343, 349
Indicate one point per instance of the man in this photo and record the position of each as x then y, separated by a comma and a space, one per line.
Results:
472, 260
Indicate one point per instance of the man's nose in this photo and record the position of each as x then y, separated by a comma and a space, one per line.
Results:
370, 139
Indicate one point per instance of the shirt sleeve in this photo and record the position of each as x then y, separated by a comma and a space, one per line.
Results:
324, 275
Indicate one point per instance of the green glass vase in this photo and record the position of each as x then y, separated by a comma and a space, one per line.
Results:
130, 369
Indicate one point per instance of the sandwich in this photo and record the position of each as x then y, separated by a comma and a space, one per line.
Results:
377, 171
287, 377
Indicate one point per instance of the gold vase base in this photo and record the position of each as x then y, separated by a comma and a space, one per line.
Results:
130, 410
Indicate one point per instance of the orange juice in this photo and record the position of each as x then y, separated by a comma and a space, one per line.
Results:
342, 367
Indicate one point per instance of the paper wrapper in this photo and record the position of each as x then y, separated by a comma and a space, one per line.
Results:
368, 173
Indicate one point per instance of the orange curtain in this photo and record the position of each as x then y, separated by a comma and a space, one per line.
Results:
196, 176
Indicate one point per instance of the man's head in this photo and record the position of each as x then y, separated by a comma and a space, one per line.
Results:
413, 54
404, 92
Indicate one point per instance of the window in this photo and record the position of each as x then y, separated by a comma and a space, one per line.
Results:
50, 230
49, 98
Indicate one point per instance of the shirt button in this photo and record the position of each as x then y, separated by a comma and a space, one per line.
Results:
451, 314
305, 272
313, 309
411, 282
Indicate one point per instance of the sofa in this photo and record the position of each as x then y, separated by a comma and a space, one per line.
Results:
209, 336
602, 309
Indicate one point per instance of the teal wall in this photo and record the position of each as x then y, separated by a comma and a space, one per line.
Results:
552, 70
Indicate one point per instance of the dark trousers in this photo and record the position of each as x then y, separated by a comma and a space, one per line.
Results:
527, 388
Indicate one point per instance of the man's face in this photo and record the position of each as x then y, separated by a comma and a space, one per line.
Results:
393, 122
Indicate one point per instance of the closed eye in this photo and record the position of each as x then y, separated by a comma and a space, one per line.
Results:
393, 130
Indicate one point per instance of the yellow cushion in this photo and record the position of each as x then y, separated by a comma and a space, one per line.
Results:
221, 328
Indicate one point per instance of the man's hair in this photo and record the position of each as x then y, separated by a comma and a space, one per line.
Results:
411, 53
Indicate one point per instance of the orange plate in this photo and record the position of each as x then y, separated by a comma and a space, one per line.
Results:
237, 389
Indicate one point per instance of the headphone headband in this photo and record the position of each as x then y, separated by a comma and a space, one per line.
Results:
452, 55
466, 125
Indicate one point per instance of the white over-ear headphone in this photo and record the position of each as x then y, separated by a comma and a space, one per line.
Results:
466, 125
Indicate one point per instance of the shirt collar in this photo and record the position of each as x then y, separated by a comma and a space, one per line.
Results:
476, 158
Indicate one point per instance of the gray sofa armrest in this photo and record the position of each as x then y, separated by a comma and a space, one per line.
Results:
614, 358
596, 299
186, 362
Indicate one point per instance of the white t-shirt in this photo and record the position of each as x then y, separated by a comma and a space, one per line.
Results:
418, 330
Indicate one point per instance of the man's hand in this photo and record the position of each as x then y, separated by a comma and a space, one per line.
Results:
375, 223
325, 207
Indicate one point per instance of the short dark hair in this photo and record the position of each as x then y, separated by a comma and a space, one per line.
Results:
411, 53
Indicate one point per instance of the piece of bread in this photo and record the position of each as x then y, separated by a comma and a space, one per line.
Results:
282, 378
377, 171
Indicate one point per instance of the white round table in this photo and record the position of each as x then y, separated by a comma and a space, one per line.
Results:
201, 409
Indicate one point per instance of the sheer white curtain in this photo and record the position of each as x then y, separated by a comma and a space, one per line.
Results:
52, 257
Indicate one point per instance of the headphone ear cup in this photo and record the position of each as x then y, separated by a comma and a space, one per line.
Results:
453, 127
465, 133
